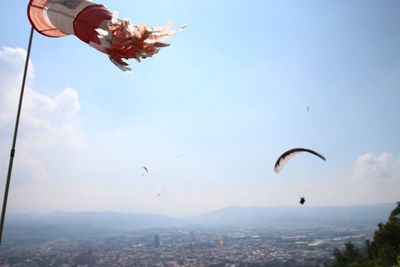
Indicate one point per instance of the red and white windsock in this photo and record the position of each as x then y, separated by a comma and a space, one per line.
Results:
100, 28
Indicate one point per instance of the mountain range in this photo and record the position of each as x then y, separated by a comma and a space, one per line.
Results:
302, 216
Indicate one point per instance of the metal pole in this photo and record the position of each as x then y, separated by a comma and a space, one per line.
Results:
10, 165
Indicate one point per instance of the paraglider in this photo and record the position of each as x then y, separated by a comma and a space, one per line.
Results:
289, 154
281, 161
145, 169
103, 30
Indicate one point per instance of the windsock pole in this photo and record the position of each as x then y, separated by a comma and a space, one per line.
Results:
12, 153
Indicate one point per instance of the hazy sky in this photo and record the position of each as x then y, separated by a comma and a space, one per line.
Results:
209, 115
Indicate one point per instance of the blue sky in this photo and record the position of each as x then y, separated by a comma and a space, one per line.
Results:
230, 94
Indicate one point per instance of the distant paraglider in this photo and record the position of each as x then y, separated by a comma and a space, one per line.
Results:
145, 170
289, 154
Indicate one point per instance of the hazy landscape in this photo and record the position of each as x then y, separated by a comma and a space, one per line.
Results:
365, 215
279, 236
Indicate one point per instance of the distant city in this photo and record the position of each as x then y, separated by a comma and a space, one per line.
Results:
195, 244
189, 247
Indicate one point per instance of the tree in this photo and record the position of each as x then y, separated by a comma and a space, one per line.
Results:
385, 247
382, 251
351, 256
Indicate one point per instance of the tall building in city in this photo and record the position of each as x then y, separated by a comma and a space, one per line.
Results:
156, 241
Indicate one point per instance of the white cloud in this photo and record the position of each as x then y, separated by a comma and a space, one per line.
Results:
12, 62
376, 178
46, 122
30, 170
381, 168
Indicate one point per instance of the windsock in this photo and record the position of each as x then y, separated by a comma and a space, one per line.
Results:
100, 28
